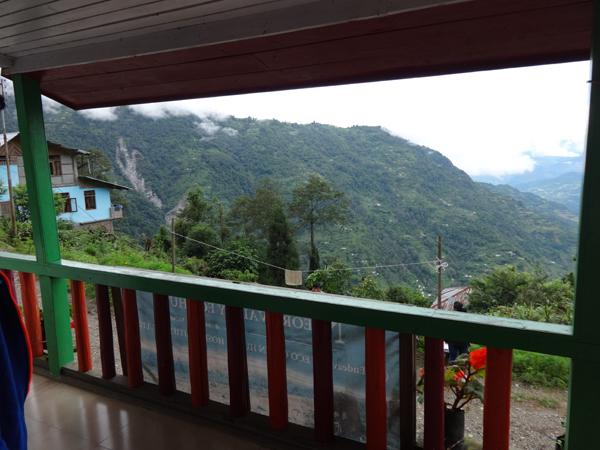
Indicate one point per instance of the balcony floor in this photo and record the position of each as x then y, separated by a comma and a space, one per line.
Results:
64, 417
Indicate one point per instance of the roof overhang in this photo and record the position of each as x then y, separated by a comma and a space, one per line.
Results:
88, 54
102, 183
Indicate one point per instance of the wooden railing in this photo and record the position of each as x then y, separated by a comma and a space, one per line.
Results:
498, 333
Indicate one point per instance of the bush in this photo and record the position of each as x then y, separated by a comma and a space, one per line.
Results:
541, 370
369, 288
398, 294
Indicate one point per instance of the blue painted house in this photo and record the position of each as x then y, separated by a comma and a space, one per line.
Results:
87, 199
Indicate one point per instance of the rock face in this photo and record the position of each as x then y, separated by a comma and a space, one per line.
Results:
128, 164
173, 212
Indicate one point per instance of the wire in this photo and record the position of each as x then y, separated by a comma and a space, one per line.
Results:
377, 266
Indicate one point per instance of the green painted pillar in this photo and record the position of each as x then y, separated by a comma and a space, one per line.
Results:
583, 416
43, 220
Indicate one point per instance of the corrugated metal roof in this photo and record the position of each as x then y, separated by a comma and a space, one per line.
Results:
103, 183
9, 137
451, 295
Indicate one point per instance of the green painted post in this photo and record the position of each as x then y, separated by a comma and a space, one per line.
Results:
583, 419
43, 220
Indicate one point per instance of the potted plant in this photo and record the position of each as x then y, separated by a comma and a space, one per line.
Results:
463, 380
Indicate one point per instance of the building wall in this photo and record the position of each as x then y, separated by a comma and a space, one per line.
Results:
101, 212
14, 175
68, 168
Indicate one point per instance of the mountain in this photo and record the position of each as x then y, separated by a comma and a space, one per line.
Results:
403, 195
554, 178
553, 211
564, 189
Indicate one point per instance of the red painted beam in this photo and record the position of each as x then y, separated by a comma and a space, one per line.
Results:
31, 313
135, 373
277, 374
237, 362
196, 332
408, 381
164, 346
496, 406
375, 389
323, 380
434, 394
107, 350
82, 331
118, 307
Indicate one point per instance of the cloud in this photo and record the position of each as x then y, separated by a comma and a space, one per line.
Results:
107, 114
208, 127
230, 131
181, 108
50, 106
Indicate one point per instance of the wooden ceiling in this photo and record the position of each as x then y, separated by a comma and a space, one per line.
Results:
93, 53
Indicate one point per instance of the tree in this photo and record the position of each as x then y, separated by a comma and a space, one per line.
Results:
252, 214
282, 251
195, 211
398, 294
317, 203
94, 165
223, 231
221, 263
21, 198
334, 279
198, 236
507, 287
369, 288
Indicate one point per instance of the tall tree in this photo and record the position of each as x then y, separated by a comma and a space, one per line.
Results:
317, 203
220, 222
195, 211
252, 214
282, 251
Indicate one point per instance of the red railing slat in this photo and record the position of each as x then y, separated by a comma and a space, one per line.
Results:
197, 351
375, 389
107, 351
434, 394
496, 407
118, 307
135, 373
408, 401
82, 331
31, 313
237, 362
323, 380
164, 347
277, 374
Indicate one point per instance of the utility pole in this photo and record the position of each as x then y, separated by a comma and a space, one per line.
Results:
8, 177
439, 305
173, 243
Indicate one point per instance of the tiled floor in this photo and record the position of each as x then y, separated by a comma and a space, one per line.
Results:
64, 417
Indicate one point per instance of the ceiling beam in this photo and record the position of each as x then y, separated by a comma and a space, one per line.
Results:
300, 17
6, 61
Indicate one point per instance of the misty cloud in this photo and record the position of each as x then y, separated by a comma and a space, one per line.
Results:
209, 127
107, 114
230, 131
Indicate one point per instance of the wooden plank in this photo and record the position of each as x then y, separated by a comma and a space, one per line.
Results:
135, 374
276, 371
164, 346
408, 381
323, 380
196, 332
31, 313
434, 394
38, 13
497, 332
82, 331
375, 389
496, 406
120, 321
107, 350
237, 362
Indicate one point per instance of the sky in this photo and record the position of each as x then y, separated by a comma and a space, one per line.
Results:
487, 123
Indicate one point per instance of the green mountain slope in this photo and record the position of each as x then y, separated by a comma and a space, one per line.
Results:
553, 211
564, 189
403, 195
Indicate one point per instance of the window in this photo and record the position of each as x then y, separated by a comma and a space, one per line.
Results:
2, 160
55, 166
90, 199
70, 203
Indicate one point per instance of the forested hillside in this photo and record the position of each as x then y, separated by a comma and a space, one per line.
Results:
402, 195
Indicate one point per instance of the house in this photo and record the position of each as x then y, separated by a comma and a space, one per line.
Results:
87, 199
102, 54
451, 295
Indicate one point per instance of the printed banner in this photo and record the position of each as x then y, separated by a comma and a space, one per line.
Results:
348, 344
